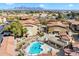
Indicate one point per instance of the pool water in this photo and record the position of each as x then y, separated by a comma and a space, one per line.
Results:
35, 48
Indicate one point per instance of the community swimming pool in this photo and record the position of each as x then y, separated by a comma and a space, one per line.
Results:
35, 48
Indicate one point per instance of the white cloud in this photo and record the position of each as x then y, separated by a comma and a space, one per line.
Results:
9, 3
62, 8
71, 5
41, 5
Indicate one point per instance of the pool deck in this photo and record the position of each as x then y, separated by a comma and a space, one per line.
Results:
46, 48
7, 46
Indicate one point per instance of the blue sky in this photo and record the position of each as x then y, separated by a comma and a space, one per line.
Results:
66, 6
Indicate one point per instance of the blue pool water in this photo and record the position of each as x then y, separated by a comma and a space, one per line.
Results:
35, 48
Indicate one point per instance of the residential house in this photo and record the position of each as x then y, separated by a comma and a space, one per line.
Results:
2, 19
56, 42
56, 27
74, 25
72, 50
31, 25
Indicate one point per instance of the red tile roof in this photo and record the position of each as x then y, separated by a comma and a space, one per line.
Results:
65, 37
74, 54
30, 21
44, 55
76, 45
74, 22
56, 24
7, 47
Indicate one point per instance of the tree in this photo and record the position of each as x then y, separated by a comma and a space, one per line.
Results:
10, 18
1, 22
16, 28
21, 53
7, 28
41, 34
60, 16
24, 30
71, 15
